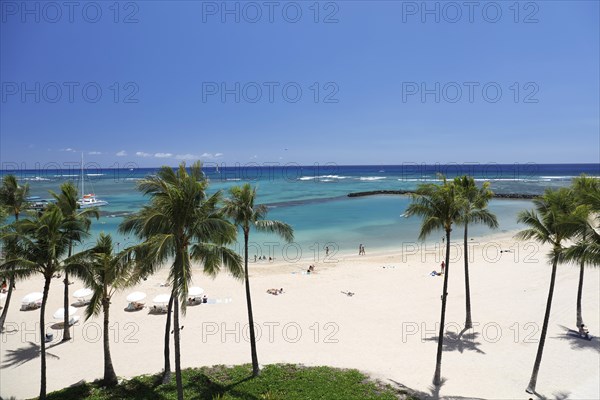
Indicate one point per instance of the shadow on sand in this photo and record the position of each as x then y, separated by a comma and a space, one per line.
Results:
577, 342
434, 392
460, 341
555, 396
18, 357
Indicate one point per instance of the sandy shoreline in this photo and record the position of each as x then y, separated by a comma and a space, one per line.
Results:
387, 328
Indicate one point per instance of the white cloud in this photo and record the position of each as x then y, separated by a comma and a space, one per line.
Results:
68, 149
142, 154
210, 155
163, 155
121, 153
94, 152
186, 157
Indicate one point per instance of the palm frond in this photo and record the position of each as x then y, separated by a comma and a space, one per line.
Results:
282, 229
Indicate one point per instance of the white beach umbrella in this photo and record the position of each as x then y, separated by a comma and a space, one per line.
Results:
162, 298
82, 293
2, 296
32, 297
60, 313
136, 296
195, 291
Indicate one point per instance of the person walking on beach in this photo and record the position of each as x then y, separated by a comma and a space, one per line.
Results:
361, 250
443, 266
326, 251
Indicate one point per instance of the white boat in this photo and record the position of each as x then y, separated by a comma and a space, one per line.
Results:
90, 199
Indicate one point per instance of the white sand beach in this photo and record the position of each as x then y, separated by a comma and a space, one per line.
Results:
387, 328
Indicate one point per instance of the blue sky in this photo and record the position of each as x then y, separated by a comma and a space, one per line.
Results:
381, 82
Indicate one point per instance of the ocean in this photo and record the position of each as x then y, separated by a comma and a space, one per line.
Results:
313, 199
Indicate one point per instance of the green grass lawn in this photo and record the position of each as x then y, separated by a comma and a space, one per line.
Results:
276, 382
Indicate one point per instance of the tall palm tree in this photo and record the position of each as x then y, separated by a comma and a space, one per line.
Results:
245, 214
13, 197
180, 225
589, 250
474, 210
40, 244
548, 224
105, 273
587, 218
440, 207
66, 200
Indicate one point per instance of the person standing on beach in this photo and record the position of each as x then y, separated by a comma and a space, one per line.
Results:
443, 266
360, 249
326, 251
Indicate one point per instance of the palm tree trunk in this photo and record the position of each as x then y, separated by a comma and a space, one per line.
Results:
48, 277
11, 283
110, 377
538, 357
7, 303
166, 378
67, 328
177, 350
580, 294
255, 367
468, 321
437, 377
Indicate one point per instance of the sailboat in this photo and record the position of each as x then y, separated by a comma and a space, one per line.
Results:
88, 200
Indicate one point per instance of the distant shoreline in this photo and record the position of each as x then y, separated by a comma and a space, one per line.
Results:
406, 192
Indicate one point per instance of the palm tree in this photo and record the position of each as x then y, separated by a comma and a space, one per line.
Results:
474, 211
40, 243
181, 225
245, 214
586, 189
66, 200
13, 197
105, 273
548, 224
440, 207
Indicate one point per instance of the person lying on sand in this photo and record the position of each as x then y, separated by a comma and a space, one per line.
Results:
193, 301
349, 294
275, 292
583, 332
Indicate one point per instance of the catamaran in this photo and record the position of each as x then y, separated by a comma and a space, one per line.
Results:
88, 200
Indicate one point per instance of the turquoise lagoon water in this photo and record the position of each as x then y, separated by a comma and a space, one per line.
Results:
313, 199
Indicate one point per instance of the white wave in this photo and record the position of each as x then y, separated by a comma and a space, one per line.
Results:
320, 177
63, 175
506, 180
418, 179
233, 179
95, 174
558, 178
36, 178
371, 178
